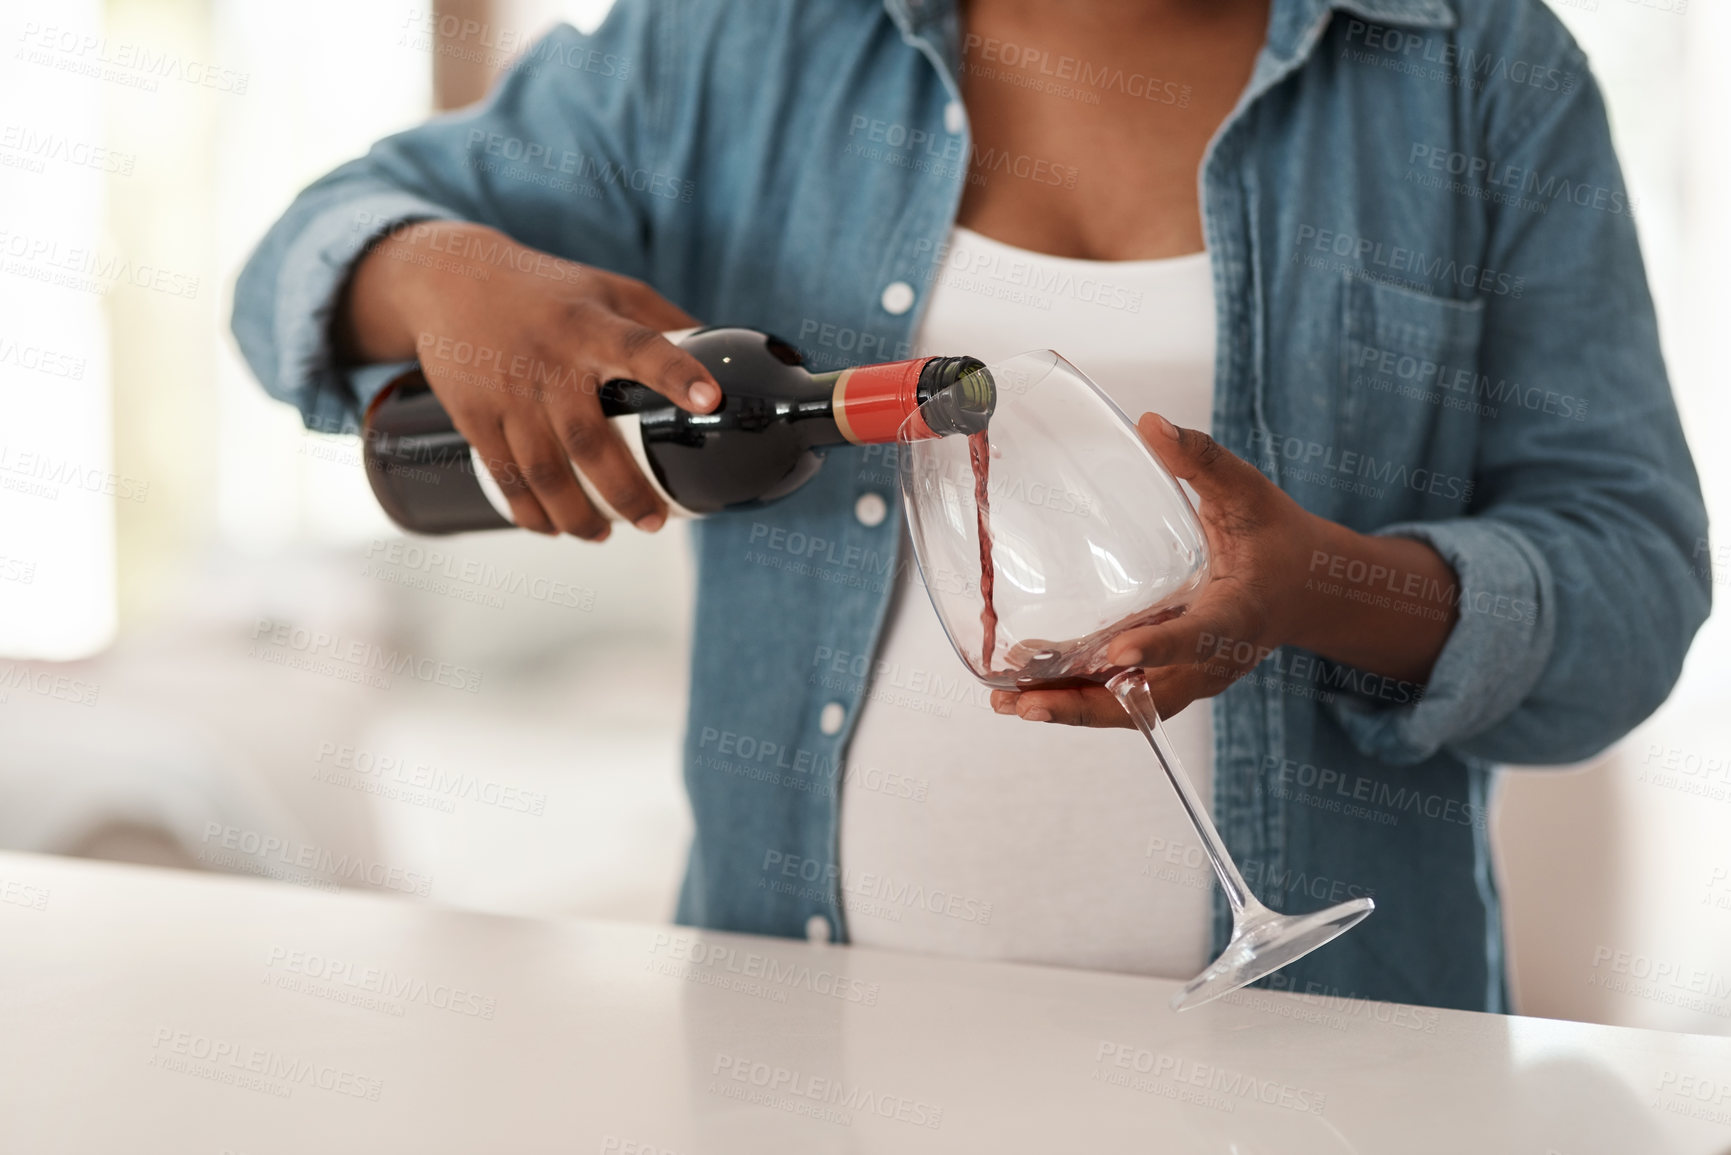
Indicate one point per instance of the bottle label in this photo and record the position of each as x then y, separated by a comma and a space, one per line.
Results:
631, 433
871, 402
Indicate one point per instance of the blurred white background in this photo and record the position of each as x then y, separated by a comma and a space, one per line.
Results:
157, 508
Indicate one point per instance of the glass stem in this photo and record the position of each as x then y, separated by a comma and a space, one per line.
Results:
1131, 689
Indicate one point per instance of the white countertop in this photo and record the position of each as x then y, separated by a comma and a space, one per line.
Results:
155, 1011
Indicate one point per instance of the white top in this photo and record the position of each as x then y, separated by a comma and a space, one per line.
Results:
1020, 840
161, 1012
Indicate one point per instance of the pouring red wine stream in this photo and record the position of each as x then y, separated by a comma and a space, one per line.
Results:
980, 454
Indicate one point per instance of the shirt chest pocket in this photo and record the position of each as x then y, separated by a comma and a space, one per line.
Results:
1408, 397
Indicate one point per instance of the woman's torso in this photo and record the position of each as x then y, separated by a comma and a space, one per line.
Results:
847, 180
1072, 840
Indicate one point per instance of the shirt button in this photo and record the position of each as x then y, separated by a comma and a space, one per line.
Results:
871, 509
898, 298
817, 928
955, 117
834, 714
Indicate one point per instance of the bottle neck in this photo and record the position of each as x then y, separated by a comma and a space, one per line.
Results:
925, 397
870, 402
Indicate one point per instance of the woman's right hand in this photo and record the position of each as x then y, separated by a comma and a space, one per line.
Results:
516, 345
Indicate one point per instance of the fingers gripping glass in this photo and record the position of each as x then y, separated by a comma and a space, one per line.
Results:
1043, 536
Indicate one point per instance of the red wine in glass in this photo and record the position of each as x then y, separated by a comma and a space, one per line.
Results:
1098, 538
1035, 664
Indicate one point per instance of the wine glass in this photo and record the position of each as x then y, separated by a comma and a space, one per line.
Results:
1040, 539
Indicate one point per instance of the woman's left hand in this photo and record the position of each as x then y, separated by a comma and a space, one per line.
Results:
1259, 541
1280, 576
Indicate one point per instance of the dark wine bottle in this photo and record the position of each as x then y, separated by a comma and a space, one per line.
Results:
763, 441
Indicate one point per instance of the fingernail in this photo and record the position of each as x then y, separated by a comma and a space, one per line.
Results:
651, 523
1038, 715
703, 394
1166, 427
1004, 705
1130, 656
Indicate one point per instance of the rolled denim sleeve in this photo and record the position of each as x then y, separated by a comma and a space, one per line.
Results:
550, 158
1580, 585
286, 296
1494, 656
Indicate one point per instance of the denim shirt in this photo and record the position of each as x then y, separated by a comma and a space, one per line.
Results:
1433, 321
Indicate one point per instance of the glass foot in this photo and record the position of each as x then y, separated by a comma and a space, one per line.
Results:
1263, 942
